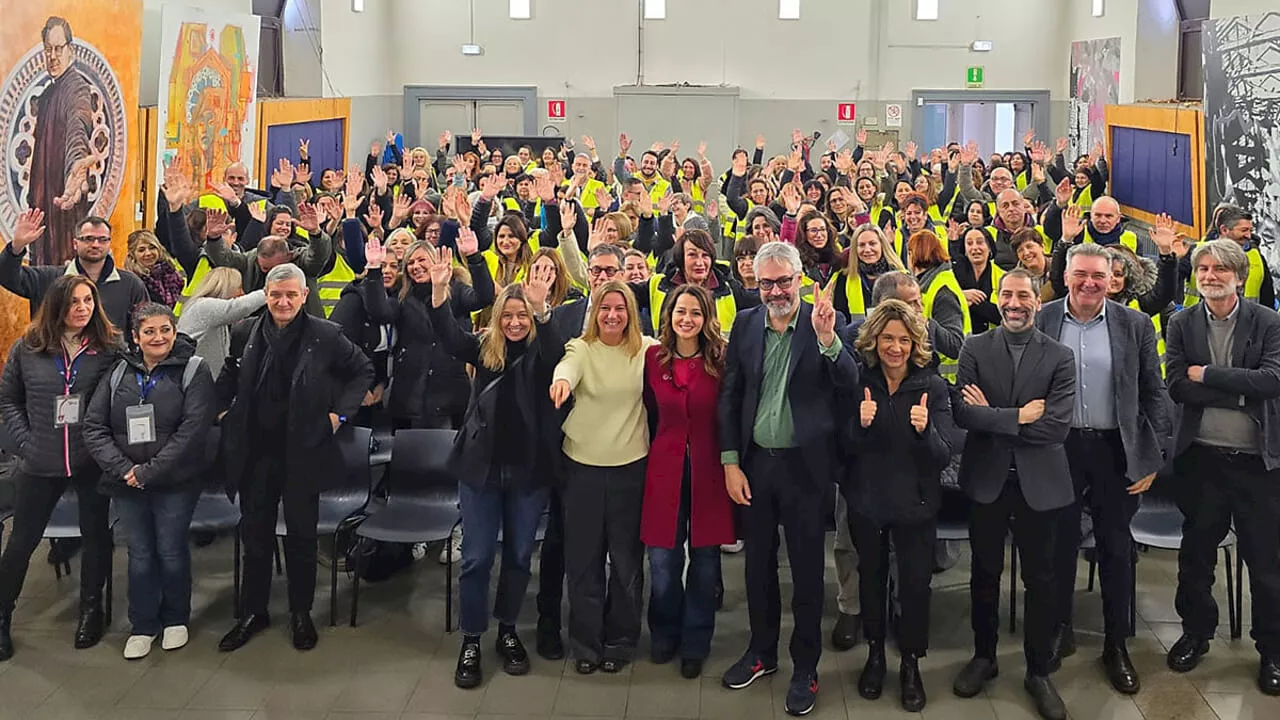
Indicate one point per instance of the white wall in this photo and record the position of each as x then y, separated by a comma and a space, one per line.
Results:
302, 49
148, 93
1227, 8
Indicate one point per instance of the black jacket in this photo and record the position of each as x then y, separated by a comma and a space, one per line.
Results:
895, 472
121, 291
28, 387
428, 382
182, 420
331, 376
526, 381
363, 309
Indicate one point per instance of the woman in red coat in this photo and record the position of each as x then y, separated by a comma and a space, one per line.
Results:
684, 496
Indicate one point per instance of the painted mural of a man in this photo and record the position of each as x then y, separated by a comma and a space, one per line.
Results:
63, 155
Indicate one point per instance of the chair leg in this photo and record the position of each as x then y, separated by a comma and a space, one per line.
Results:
279, 564
1239, 628
355, 594
235, 573
448, 583
1231, 592
57, 566
1133, 597
107, 604
1093, 569
333, 583
1013, 589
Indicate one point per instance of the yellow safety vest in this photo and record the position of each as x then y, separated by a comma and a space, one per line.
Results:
1127, 239
900, 243
699, 200
203, 266
209, 201
513, 205
948, 367
853, 294
492, 260
726, 306
332, 283
659, 188
1155, 324
1085, 199
588, 194
1252, 284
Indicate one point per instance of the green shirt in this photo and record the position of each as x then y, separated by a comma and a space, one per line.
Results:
773, 427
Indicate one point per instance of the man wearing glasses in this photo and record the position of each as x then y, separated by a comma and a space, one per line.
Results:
120, 290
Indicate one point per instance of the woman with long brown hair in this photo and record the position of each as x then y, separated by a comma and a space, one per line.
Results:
606, 442
819, 248
51, 373
684, 498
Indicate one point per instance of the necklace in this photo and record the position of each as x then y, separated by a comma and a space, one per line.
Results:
695, 354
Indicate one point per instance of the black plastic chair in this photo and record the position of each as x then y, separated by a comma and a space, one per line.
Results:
342, 506
64, 524
215, 513
421, 504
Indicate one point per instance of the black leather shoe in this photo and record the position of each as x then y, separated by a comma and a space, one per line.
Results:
586, 667
6, 640
1045, 696
845, 634
1064, 646
243, 632
548, 643
468, 674
1119, 669
974, 676
910, 684
690, 668
1269, 676
90, 628
1185, 654
304, 631
515, 660
871, 681
661, 654
612, 665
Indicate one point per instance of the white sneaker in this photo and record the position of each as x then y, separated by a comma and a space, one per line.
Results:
454, 547
138, 646
174, 637
733, 548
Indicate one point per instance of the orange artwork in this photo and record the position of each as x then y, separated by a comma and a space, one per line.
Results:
68, 105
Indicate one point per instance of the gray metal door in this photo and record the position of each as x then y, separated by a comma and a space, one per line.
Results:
436, 116
500, 117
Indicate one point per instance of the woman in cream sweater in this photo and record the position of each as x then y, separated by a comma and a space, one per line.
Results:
606, 443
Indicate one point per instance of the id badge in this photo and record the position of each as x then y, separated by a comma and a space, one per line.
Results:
66, 410
141, 420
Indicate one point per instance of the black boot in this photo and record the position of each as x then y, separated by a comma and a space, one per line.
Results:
871, 681
91, 626
910, 683
6, 640
303, 631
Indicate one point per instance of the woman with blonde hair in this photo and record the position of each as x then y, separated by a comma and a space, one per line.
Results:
217, 302
870, 255
562, 288
158, 270
606, 443
900, 442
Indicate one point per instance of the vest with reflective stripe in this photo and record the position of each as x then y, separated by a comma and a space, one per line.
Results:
1127, 239
726, 307
900, 242
946, 280
1252, 284
853, 293
203, 266
1085, 199
513, 205
332, 282
659, 188
1155, 324
213, 202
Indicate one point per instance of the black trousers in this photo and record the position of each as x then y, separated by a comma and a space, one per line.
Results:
782, 493
1033, 537
914, 548
551, 566
33, 505
1097, 466
602, 519
1213, 487
260, 499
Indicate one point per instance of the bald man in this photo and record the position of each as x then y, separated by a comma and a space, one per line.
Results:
1103, 225
1011, 216
238, 197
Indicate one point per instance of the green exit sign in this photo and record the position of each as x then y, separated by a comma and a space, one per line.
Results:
973, 78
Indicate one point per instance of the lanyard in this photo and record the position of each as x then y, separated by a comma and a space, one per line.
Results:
145, 388
69, 367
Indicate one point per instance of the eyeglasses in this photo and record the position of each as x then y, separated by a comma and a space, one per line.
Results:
782, 283
605, 271
95, 239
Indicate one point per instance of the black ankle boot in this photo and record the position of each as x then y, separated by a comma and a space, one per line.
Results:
871, 681
910, 684
91, 626
6, 641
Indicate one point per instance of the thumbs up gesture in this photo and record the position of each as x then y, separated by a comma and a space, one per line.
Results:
868, 409
920, 413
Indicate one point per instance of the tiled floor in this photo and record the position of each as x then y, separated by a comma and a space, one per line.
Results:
399, 664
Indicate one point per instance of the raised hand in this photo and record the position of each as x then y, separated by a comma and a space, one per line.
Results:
844, 162
176, 188
824, 315
468, 244
391, 137
445, 137
795, 162
568, 216
258, 211
282, 176
1072, 222
375, 150
867, 409
400, 209
603, 199
1027, 137
355, 182
379, 179
596, 236
969, 153
712, 210
1062, 193
920, 413
440, 266
590, 143
624, 144
791, 198
664, 204
308, 218
537, 286
1060, 145
463, 206
374, 252
797, 137
459, 166
29, 229
304, 148
302, 175
225, 192
475, 136
374, 217
1165, 237
216, 224
910, 149
495, 185
543, 188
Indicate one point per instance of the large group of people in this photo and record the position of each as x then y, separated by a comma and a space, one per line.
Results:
663, 361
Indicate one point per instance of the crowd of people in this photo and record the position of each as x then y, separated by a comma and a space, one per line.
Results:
664, 361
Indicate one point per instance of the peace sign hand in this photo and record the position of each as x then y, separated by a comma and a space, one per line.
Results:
824, 315
920, 413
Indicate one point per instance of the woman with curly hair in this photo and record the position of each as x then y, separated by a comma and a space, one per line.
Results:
158, 270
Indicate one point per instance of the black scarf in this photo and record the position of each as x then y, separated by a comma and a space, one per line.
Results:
875, 269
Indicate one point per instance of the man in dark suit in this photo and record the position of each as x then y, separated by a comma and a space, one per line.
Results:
1224, 373
291, 380
1114, 448
1018, 391
778, 420
603, 264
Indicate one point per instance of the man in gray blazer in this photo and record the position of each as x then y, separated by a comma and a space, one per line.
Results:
1114, 448
1018, 389
1224, 373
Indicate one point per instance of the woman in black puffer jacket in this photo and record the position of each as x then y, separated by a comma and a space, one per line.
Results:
44, 393
154, 472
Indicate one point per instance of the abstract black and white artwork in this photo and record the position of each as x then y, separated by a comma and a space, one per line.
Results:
1095, 84
1242, 121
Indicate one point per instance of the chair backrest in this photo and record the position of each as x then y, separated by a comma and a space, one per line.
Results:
420, 463
353, 443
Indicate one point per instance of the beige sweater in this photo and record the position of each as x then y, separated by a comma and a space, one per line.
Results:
608, 425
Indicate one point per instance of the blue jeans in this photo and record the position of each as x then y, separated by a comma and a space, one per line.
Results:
158, 525
682, 617
485, 511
